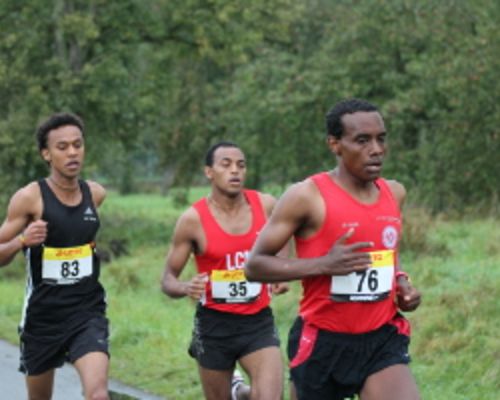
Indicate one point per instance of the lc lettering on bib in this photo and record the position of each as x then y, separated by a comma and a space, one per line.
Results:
66, 266
232, 287
236, 260
374, 284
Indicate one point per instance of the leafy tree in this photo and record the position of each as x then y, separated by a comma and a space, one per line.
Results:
158, 81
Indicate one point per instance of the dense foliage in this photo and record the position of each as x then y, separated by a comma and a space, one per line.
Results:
158, 81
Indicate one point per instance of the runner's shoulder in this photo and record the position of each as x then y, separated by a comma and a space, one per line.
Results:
268, 202
29, 193
398, 190
189, 221
98, 192
301, 192
299, 201
25, 199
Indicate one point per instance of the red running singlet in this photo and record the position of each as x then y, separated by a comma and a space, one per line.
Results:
355, 303
224, 259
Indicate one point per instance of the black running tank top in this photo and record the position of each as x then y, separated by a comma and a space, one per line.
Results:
54, 295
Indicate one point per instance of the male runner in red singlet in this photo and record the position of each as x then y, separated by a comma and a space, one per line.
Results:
233, 321
55, 222
349, 337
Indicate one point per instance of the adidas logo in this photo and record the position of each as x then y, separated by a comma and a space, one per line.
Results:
88, 211
88, 215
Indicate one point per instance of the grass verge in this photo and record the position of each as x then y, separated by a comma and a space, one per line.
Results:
455, 344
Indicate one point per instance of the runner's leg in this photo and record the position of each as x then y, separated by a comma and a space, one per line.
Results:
93, 370
40, 386
216, 383
392, 383
265, 370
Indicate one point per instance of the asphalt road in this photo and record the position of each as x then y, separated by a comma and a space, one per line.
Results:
66, 386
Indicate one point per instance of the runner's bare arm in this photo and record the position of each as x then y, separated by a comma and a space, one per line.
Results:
21, 227
269, 202
98, 193
181, 248
398, 191
408, 297
293, 212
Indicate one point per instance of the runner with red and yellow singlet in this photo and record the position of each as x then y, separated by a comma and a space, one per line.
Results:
233, 321
349, 337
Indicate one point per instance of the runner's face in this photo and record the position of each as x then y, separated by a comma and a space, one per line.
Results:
228, 170
65, 150
362, 147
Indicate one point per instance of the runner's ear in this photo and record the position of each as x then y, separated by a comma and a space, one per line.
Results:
333, 144
45, 154
208, 173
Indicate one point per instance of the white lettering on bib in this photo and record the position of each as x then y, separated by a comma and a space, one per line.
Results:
67, 265
236, 260
232, 287
374, 284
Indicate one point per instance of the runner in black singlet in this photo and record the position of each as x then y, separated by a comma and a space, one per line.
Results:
54, 221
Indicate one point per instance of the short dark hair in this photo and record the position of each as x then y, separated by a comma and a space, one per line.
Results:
209, 157
334, 125
56, 121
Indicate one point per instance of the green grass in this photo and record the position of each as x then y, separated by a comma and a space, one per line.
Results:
455, 345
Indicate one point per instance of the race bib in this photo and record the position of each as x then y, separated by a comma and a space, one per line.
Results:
66, 266
374, 284
232, 287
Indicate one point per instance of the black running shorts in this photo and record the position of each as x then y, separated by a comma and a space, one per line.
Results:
41, 352
334, 366
220, 338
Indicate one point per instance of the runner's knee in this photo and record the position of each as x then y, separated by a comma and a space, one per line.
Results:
98, 394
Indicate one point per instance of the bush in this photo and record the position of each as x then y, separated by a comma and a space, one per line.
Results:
121, 234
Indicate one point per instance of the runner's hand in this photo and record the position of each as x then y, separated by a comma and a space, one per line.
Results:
280, 288
196, 286
35, 233
408, 298
343, 259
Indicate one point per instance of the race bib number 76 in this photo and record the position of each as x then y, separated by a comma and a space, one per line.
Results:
373, 284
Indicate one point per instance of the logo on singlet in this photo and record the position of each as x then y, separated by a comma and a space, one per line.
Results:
236, 260
88, 215
350, 224
390, 237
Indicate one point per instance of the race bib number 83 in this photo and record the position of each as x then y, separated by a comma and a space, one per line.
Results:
374, 284
232, 287
66, 266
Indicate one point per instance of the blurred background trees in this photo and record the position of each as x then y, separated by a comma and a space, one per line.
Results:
157, 81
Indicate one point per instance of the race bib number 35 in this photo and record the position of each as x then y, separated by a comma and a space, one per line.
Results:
232, 287
374, 284
66, 266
